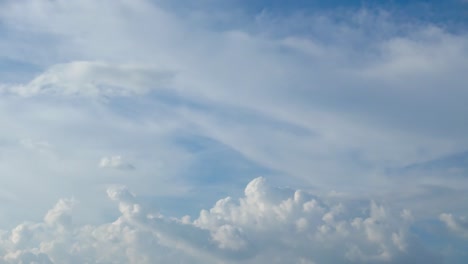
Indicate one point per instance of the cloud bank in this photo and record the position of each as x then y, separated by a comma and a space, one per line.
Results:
265, 225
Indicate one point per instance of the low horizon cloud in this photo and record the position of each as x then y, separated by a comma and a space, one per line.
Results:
266, 224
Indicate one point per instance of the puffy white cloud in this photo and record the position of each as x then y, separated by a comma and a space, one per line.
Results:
60, 214
267, 225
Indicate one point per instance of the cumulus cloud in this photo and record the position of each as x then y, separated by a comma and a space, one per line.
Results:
266, 225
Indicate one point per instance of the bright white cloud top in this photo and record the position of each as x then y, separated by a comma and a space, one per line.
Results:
266, 225
356, 113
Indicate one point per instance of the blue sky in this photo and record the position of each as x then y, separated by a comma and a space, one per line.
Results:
137, 131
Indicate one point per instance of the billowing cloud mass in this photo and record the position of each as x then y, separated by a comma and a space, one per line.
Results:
266, 225
355, 111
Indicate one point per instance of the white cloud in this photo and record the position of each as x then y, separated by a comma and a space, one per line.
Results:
258, 228
457, 226
93, 79
115, 162
308, 99
60, 214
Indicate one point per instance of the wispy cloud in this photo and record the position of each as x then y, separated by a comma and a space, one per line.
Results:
115, 162
94, 79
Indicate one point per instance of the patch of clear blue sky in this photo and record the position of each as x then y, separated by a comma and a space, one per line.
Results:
433, 235
15, 71
447, 13
29, 56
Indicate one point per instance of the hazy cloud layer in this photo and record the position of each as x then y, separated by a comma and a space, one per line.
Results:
84, 78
